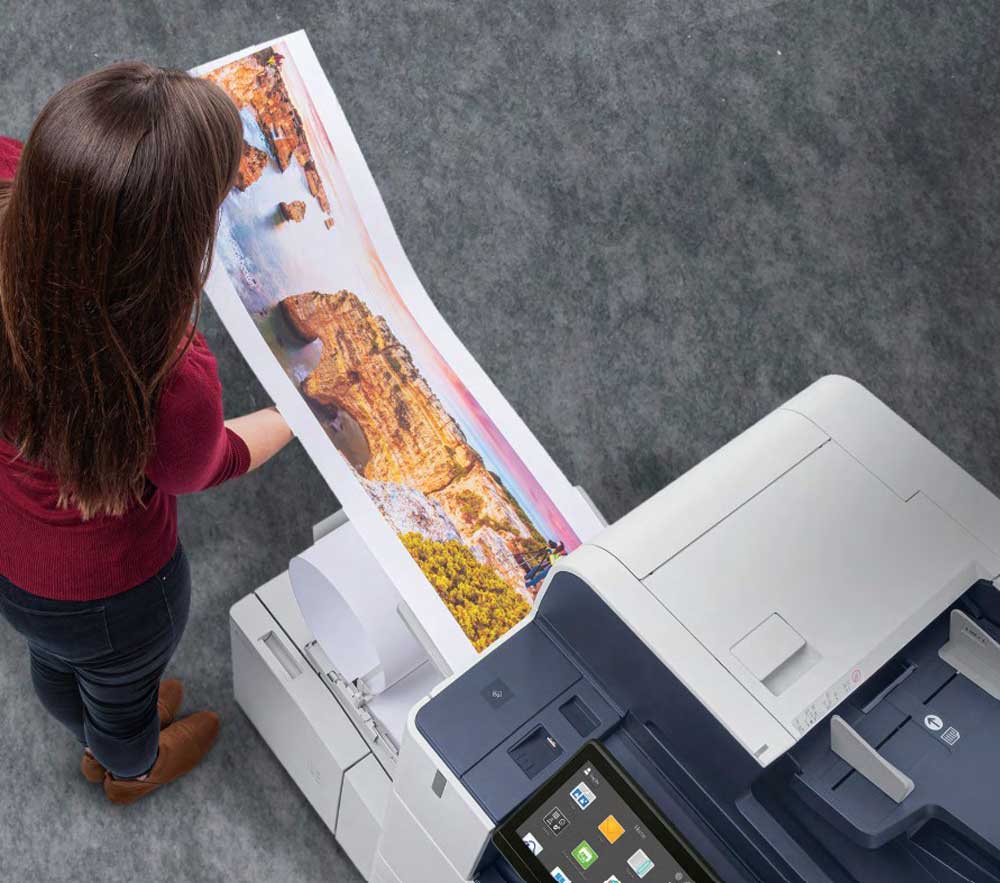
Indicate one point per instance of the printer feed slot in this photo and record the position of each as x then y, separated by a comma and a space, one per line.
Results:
535, 751
938, 688
579, 716
852, 748
881, 684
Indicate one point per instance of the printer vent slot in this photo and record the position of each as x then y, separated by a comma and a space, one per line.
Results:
938, 689
579, 716
881, 684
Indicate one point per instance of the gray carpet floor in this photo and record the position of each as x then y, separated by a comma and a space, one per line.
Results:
650, 222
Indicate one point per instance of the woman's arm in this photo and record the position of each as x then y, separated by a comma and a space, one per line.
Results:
264, 432
195, 447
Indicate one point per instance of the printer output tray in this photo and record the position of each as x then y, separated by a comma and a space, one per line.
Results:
936, 727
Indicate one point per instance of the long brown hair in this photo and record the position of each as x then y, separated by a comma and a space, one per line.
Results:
105, 244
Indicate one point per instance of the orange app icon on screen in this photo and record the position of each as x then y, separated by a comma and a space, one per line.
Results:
611, 829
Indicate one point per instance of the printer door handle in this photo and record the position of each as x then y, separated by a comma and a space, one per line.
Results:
278, 657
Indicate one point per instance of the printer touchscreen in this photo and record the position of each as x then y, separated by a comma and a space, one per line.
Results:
589, 824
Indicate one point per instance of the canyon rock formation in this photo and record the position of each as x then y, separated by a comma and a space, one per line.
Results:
366, 379
252, 165
367, 373
255, 83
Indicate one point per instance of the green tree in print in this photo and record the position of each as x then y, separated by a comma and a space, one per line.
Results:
482, 603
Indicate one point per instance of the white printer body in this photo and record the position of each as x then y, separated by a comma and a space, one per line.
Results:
814, 557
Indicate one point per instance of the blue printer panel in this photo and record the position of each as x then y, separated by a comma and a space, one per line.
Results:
513, 719
502, 780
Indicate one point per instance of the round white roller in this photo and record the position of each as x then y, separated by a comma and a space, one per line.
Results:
351, 607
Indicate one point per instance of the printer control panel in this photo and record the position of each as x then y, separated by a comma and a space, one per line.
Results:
590, 823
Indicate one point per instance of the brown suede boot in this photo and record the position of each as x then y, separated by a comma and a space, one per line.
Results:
182, 746
171, 697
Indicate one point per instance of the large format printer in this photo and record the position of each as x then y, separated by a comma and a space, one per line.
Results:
792, 650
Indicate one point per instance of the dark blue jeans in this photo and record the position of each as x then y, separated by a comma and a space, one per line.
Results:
96, 665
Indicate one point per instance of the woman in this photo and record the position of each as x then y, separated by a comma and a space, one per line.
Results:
110, 405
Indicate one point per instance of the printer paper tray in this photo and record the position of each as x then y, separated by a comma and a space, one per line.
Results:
936, 726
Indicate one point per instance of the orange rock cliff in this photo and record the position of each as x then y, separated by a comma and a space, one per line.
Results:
252, 165
391, 426
256, 83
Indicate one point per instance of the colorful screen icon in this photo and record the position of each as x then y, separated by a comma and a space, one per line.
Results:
584, 855
611, 829
556, 821
531, 841
640, 863
612, 879
560, 876
583, 795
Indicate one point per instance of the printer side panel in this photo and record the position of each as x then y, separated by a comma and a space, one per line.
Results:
434, 828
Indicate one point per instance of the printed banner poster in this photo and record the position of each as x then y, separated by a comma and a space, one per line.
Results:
452, 493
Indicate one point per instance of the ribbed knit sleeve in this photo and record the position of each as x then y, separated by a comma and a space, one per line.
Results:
194, 449
10, 152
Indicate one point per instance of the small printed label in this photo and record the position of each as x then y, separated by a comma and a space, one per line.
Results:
978, 635
827, 702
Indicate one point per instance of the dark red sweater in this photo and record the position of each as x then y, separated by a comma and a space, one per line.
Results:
10, 150
54, 553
